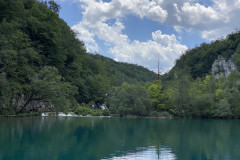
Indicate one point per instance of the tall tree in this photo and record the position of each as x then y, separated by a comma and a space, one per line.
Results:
157, 96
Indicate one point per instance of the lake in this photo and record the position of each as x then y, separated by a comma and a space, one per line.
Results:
56, 138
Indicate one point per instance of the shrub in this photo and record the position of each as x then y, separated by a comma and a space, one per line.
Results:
223, 109
159, 114
201, 105
220, 94
105, 112
83, 111
95, 112
153, 114
7, 112
163, 114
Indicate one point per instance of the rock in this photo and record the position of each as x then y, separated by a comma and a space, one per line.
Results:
221, 66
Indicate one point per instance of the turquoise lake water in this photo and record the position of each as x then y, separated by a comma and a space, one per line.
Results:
57, 138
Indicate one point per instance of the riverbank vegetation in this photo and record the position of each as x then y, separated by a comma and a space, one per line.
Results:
44, 67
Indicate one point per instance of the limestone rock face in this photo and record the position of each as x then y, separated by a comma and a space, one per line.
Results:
221, 66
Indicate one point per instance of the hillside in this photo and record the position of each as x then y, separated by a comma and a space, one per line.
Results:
205, 81
44, 66
199, 60
125, 72
42, 62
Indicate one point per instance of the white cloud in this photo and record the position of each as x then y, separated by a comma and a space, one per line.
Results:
211, 22
217, 20
197, 14
147, 53
87, 37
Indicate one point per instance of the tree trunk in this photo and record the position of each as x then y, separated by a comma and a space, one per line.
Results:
25, 105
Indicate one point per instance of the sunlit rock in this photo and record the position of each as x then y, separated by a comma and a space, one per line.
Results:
221, 66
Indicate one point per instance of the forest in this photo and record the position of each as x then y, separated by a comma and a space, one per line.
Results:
43, 66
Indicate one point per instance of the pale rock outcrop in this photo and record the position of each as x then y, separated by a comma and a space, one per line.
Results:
221, 66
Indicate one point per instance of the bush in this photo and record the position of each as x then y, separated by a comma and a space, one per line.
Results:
96, 112
129, 100
105, 112
7, 112
83, 111
201, 105
223, 109
153, 114
220, 94
163, 114
159, 114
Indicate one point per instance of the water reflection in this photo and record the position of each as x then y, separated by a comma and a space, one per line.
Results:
118, 138
150, 153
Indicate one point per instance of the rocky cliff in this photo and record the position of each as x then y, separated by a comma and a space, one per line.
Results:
221, 66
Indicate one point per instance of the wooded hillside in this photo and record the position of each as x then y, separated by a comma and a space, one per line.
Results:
42, 61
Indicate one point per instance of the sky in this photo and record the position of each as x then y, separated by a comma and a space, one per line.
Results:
144, 32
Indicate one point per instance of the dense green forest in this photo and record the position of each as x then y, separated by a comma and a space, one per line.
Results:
44, 66
190, 89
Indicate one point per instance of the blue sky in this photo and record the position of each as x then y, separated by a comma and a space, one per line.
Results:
141, 31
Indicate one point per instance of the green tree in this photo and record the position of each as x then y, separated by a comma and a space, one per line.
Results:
34, 38
183, 91
220, 94
5, 92
129, 100
46, 86
157, 96
223, 109
54, 6
201, 105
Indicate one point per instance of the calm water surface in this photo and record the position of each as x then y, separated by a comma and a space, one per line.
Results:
50, 138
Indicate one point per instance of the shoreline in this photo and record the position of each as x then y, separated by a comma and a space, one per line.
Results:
62, 114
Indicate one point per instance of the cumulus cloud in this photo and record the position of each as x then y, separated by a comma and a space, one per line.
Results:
87, 37
211, 22
216, 20
147, 53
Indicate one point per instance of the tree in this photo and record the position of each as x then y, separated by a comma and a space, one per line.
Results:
157, 96
220, 94
201, 105
209, 84
5, 92
54, 6
46, 86
129, 100
183, 88
34, 41
223, 109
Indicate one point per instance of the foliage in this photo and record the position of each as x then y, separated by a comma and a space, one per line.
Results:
54, 6
201, 105
41, 60
201, 58
157, 96
84, 110
5, 92
159, 114
223, 109
105, 112
220, 94
129, 100
191, 90
7, 111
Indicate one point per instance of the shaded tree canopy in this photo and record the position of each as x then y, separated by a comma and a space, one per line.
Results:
42, 60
